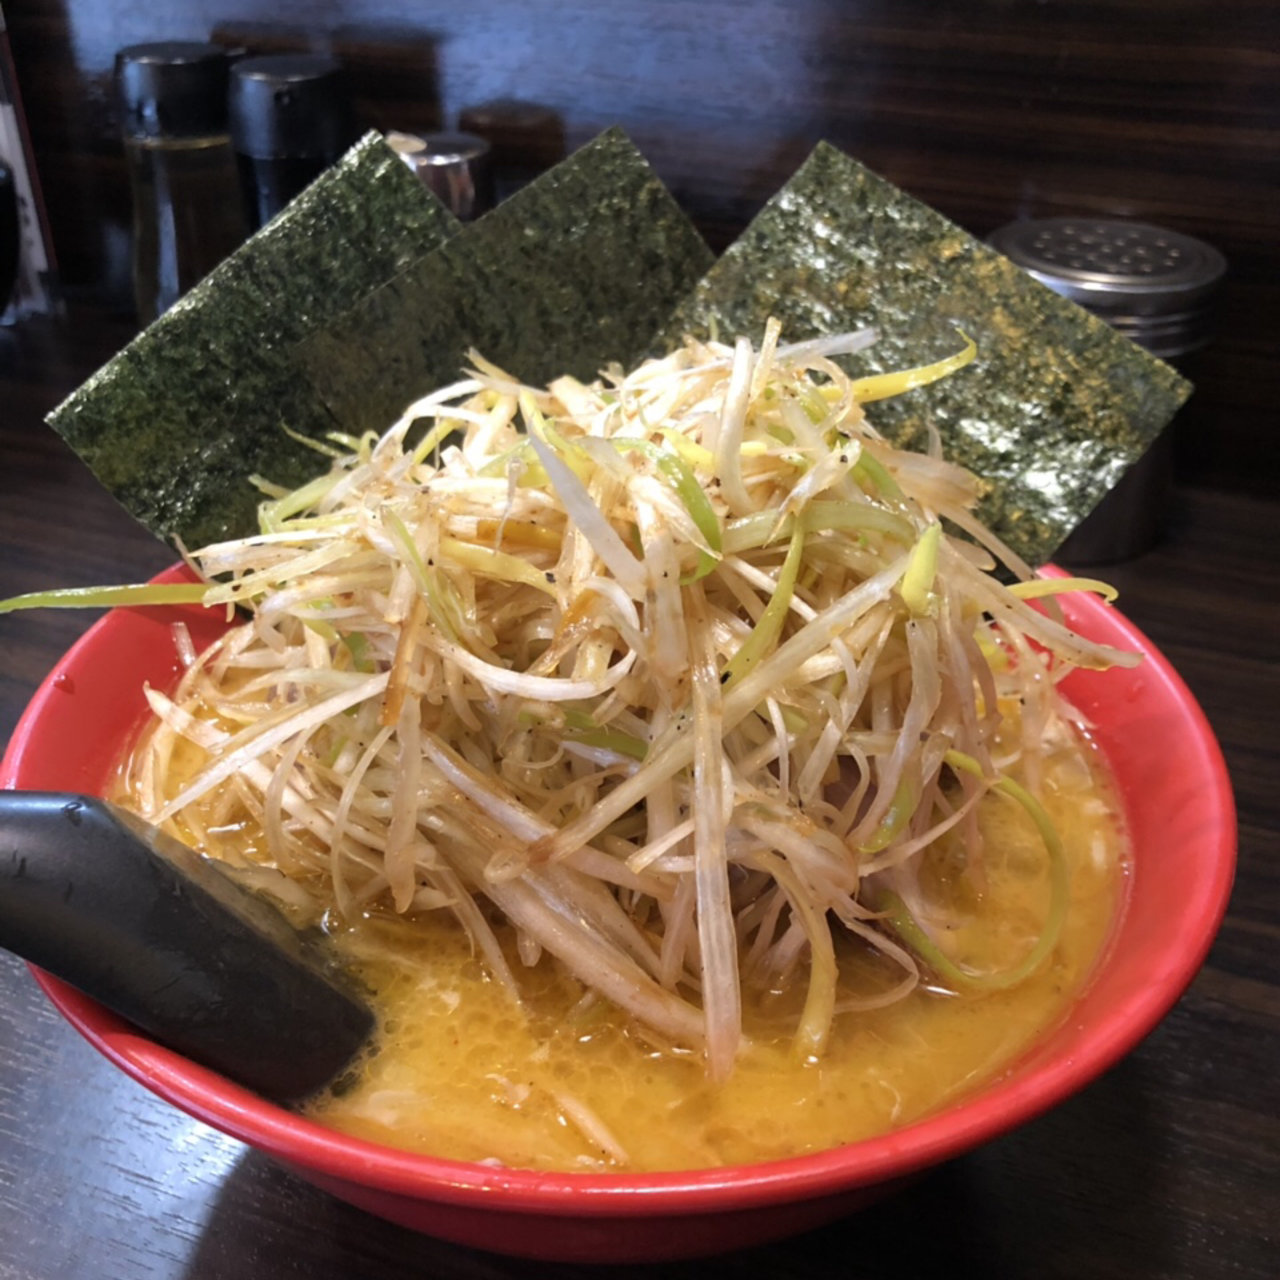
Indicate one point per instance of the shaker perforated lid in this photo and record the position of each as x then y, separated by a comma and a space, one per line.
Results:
1156, 286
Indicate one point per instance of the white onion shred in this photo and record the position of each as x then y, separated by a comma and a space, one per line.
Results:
666, 673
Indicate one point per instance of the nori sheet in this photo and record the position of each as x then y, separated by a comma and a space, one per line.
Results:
175, 424
578, 269
1051, 412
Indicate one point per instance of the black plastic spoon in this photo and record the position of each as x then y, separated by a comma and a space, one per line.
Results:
168, 940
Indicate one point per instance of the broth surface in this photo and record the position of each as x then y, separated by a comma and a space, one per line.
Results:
568, 1084
463, 1074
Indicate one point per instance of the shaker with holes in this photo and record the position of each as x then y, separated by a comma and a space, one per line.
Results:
1155, 286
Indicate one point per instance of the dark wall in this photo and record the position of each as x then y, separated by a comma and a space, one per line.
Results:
1167, 110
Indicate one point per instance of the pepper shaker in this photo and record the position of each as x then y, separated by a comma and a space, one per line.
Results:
1155, 286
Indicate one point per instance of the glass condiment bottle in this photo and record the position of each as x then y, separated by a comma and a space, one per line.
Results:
187, 213
290, 120
1155, 286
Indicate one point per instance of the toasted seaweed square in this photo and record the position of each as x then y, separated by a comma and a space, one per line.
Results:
1053, 410
579, 269
176, 423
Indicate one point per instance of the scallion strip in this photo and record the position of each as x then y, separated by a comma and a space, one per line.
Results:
909, 930
764, 635
122, 597
880, 386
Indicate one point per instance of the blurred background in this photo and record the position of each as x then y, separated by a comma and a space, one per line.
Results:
1166, 111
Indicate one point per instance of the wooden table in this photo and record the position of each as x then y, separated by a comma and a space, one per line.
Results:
1169, 1166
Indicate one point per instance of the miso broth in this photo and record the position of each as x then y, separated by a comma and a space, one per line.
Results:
459, 1070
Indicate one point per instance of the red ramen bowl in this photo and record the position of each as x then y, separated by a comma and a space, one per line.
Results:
1181, 820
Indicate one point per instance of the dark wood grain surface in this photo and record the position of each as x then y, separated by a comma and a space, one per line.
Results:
1162, 110
1167, 1167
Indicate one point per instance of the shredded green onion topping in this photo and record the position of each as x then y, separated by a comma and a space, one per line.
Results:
678, 674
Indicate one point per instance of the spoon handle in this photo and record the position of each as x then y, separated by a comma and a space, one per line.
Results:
167, 940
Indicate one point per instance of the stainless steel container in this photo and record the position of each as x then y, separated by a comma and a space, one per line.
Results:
1155, 286
456, 166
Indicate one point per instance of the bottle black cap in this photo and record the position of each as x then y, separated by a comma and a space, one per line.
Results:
290, 105
173, 89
